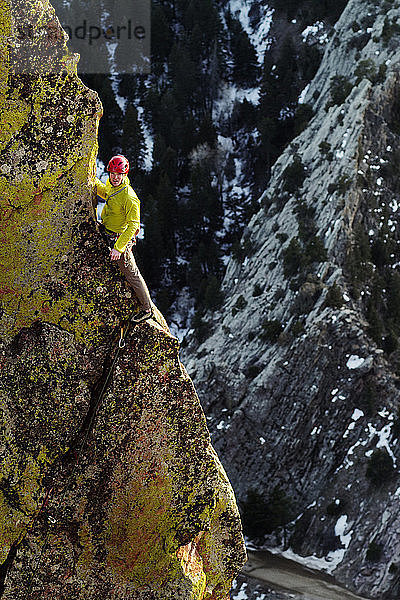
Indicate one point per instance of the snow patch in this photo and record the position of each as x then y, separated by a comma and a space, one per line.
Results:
357, 414
121, 101
312, 29
229, 94
303, 94
148, 140
344, 532
328, 564
259, 34
334, 558
355, 362
383, 439
241, 592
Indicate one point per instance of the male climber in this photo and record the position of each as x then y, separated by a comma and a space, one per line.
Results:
121, 219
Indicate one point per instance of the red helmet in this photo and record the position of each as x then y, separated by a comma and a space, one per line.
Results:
118, 164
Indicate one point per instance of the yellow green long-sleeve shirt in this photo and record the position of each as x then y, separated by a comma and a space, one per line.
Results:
121, 212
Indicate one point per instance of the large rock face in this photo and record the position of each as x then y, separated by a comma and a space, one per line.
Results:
109, 487
300, 372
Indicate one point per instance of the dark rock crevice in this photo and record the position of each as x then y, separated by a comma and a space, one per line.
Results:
6, 566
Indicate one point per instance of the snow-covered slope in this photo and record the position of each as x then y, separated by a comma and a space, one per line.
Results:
257, 26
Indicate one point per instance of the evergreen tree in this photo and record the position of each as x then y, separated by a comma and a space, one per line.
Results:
213, 296
280, 87
185, 78
207, 133
132, 142
315, 10
167, 215
393, 295
270, 92
203, 14
130, 86
161, 34
110, 127
212, 257
159, 150
244, 115
195, 274
288, 73
245, 65
214, 77
152, 248
195, 43
165, 159
166, 117
165, 120
186, 135
268, 147
205, 208
288, 6
263, 515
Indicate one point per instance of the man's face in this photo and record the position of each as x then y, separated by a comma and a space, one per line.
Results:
116, 178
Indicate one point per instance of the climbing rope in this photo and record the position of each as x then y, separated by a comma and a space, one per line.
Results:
77, 449
121, 346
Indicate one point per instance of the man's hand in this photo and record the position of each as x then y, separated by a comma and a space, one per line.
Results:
115, 254
135, 236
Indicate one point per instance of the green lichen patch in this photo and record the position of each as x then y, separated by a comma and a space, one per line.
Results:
140, 506
146, 508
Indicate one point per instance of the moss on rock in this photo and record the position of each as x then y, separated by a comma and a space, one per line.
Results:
120, 494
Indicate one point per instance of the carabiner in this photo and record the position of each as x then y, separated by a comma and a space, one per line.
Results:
121, 342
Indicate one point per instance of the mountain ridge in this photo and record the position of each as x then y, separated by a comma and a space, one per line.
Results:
299, 375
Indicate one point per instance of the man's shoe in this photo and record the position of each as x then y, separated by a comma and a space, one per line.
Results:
142, 315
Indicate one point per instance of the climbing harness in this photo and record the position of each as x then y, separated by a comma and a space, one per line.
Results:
76, 448
110, 237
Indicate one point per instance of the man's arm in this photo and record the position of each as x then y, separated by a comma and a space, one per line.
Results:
101, 191
116, 254
132, 210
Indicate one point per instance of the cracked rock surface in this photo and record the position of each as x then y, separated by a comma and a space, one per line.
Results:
299, 372
109, 485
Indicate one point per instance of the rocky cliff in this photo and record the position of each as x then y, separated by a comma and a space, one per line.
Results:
299, 372
109, 487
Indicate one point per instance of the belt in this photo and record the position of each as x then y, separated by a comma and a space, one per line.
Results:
111, 233
110, 237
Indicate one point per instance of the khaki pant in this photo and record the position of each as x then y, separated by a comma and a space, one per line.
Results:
130, 271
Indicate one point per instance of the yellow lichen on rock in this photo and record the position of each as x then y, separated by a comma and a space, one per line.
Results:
110, 476
46, 168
